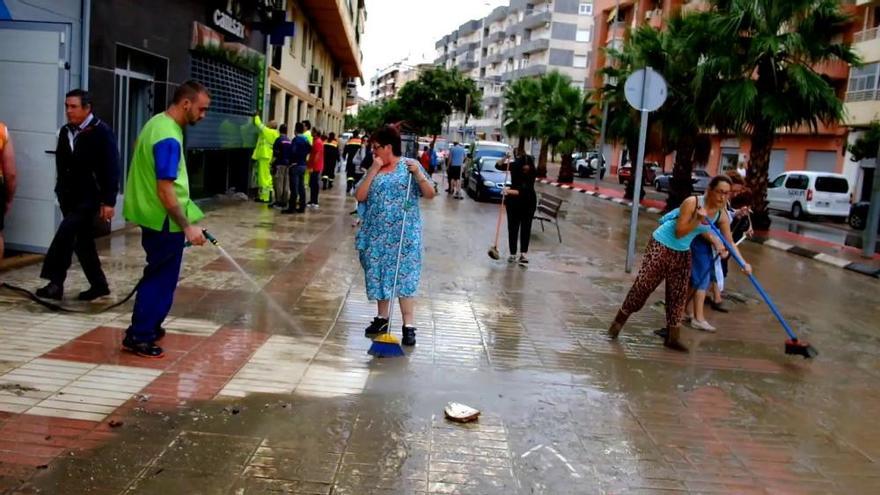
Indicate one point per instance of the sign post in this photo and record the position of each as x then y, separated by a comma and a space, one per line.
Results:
645, 90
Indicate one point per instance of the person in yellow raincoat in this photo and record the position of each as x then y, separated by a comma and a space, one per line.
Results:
263, 156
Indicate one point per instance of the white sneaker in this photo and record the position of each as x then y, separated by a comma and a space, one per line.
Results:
511, 258
702, 325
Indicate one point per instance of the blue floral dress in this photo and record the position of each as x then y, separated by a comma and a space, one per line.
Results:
379, 235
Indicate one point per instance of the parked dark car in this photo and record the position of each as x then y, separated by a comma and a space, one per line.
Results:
584, 164
484, 180
649, 174
858, 216
699, 178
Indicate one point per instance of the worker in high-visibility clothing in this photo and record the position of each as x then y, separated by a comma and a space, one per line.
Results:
263, 156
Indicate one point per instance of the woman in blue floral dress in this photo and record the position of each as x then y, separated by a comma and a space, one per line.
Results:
382, 193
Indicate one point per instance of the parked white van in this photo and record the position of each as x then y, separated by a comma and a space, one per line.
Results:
802, 193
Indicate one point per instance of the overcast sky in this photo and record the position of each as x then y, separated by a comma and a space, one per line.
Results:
399, 29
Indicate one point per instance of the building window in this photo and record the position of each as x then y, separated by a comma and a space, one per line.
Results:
863, 79
583, 35
305, 41
580, 61
585, 9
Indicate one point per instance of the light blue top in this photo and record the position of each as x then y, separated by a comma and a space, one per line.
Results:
665, 233
456, 155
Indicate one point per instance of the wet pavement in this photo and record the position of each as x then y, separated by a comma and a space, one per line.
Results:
248, 400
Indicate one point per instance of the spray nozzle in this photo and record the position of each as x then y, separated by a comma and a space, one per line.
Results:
210, 238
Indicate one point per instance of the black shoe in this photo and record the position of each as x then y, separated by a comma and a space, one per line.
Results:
51, 291
93, 293
718, 307
160, 334
379, 325
301, 210
409, 336
662, 332
143, 349
288, 211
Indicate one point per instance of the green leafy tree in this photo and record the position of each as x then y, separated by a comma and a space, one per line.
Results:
866, 146
568, 126
426, 102
762, 63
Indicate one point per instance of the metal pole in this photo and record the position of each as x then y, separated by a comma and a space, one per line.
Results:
267, 87
601, 143
870, 236
467, 109
637, 187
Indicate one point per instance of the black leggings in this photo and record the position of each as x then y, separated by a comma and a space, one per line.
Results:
519, 224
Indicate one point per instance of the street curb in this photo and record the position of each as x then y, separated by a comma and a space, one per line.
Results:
771, 243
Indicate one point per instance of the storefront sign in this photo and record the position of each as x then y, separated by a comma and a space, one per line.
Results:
227, 23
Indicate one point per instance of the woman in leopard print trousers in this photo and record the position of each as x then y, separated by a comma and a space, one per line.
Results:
668, 258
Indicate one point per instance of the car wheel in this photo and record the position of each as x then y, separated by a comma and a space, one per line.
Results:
797, 212
856, 222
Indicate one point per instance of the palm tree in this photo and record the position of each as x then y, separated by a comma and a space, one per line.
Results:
764, 55
520, 118
569, 125
550, 85
675, 53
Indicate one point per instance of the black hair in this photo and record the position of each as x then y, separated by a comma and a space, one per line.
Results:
356, 133
332, 136
282, 128
299, 128
307, 124
188, 91
85, 98
386, 135
718, 179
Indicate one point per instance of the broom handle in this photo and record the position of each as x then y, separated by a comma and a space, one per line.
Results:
399, 250
501, 208
757, 284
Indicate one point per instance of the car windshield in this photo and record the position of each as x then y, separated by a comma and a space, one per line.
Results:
832, 184
490, 152
701, 173
487, 163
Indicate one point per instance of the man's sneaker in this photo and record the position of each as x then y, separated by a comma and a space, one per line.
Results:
511, 258
143, 349
379, 325
316, 206
702, 325
409, 336
51, 291
93, 293
523, 260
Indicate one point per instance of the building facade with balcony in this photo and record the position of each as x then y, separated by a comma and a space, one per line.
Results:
863, 93
387, 82
310, 75
794, 149
522, 39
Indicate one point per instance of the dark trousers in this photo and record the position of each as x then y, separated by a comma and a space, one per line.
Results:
156, 293
329, 175
519, 224
297, 188
314, 187
76, 234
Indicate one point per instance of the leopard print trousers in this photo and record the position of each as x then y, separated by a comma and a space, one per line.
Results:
661, 263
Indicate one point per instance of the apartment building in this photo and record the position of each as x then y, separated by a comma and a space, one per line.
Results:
863, 93
527, 38
387, 82
795, 149
311, 75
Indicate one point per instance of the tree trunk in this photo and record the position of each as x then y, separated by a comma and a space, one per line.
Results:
566, 169
680, 185
542, 159
521, 145
756, 178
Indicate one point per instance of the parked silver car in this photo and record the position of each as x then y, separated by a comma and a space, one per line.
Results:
700, 179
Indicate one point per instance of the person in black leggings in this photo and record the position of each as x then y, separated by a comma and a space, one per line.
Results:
521, 203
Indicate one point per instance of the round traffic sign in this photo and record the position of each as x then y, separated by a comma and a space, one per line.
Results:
645, 90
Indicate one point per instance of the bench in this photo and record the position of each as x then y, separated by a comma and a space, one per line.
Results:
548, 211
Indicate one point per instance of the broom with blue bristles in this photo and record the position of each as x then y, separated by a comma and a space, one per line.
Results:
385, 344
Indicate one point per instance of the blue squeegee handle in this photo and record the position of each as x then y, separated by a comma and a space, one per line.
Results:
755, 282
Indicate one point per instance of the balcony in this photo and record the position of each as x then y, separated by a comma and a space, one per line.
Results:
493, 58
469, 27
497, 15
530, 71
512, 30
866, 35
862, 107
466, 65
440, 60
334, 26
533, 46
467, 47
536, 20
496, 37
